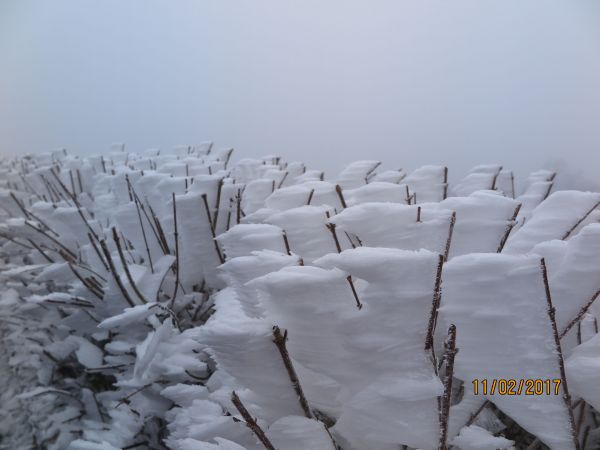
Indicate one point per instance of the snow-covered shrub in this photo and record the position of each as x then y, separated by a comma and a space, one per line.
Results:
181, 300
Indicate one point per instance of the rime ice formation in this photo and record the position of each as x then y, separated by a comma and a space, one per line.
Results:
181, 300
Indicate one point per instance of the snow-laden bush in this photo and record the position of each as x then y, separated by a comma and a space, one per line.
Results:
179, 300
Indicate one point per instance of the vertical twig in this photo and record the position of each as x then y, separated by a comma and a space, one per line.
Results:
176, 236
113, 271
445, 192
495, 179
137, 207
238, 201
218, 203
212, 229
512, 183
561, 364
95, 247
126, 267
286, 243
450, 231
435, 304
449, 355
338, 190
331, 228
310, 196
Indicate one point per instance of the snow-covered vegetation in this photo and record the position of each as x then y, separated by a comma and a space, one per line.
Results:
182, 301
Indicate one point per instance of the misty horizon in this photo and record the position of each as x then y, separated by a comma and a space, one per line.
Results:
405, 83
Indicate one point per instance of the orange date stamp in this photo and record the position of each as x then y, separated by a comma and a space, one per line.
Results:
511, 386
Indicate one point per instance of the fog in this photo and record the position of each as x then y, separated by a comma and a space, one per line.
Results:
407, 82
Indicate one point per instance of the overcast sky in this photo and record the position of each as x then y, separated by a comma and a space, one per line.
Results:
324, 81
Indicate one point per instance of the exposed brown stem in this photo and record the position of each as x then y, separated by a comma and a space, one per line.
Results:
509, 228
11, 239
72, 256
586, 434
79, 181
338, 190
95, 247
251, 422
280, 342
162, 239
561, 364
512, 183
474, 416
212, 229
126, 266
20, 205
435, 304
568, 233
282, 180
450, 231
449, 355
495, 179
72, 181
310, 196
331, 228
94, 290
77, 205
580, 314
176, 237
354, 293
350, 239
217, 203
238, 202
445, 192
286, 243
115, 274
39, 249
137, 207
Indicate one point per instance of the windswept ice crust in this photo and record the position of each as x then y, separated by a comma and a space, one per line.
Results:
182, 300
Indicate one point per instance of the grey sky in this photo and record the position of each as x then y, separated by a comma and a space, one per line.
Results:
324, 81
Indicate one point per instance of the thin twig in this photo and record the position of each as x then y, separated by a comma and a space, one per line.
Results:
450, 231
176, 237
310, 196
93, 289
568, 233
212, 229
582, 312
139, 214
280, 341
561, 364
251, 422
449, 355
354, 293
509, 228
331, 228
126, 266
435, 304
113, 271
338, 190
286, 243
